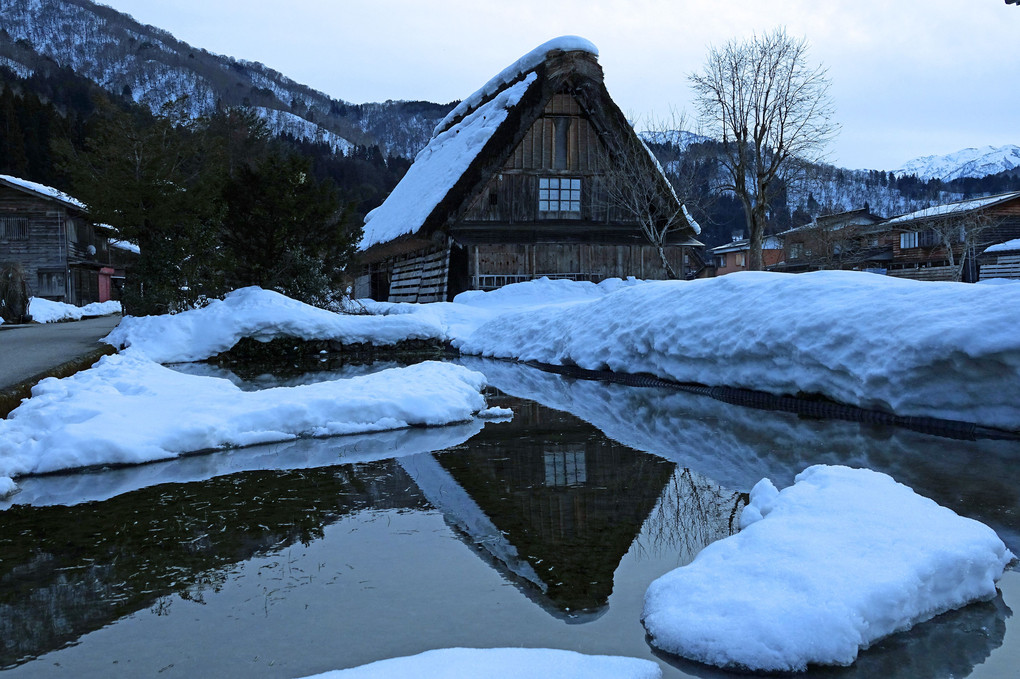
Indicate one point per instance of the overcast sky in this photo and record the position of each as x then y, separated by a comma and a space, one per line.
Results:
909, 77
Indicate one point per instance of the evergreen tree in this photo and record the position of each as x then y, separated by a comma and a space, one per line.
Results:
148, 178
13, 159
286, 231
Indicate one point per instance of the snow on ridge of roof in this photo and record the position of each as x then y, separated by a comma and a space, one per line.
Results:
42, 189
437, 168
952, 208
662, 172
690, 219
565, 43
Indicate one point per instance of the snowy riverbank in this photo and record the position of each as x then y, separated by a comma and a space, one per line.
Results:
943, 350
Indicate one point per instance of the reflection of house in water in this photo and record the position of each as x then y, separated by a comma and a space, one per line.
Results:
66, 571
552, 500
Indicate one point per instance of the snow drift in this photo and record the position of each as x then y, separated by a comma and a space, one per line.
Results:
820, 570
947, 350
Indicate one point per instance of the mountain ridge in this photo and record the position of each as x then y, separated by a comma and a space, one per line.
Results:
969, 162
150, 65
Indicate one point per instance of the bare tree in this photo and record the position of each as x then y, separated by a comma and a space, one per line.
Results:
636, 188
958, 236
773, 114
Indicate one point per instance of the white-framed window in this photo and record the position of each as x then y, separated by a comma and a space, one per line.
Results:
559, 194
908, 240
565, 468
720, 261
741, 259
796, 250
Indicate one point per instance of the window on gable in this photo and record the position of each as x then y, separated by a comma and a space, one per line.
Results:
565, 468
13, 228
559, 195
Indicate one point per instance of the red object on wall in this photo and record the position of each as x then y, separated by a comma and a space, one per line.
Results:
105, 275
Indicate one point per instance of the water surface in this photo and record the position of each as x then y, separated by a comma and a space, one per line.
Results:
286, 560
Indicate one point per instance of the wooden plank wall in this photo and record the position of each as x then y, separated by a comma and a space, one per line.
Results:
44, 254
1005, 266
493, 265
420, 277
536, 151
925, 273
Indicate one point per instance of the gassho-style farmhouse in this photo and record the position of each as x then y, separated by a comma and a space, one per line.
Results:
519, 182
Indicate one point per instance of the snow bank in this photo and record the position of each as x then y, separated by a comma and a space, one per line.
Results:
44, 311
820, 570
499, 663
946, 350
263, 315
437, 168
129, 410
73, 489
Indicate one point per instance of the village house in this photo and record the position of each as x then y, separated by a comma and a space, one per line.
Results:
941, 243
518, 183
844, 240
64, 256
733, 256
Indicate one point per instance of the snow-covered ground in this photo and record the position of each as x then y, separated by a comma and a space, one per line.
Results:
945, 350
820, 570
45, 311
263, 315
129, 410
500, 663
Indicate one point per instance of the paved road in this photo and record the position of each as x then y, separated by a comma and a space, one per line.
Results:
28, 350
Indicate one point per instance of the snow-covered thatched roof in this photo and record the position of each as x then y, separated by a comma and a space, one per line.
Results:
472, 142
437, 168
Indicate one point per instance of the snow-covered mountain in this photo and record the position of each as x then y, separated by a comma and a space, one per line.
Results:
971, 162
153, 67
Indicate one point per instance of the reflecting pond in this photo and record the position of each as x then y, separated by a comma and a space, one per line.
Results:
290, 559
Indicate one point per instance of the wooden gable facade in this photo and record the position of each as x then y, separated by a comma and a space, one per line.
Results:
64, 256
533, 203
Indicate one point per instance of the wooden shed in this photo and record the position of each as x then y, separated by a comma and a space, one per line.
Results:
517, 183
65, 257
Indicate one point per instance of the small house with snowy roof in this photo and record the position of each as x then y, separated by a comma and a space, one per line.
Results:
918, 238
65, 256
843, 240
514, 186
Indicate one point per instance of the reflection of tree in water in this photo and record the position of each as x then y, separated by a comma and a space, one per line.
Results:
65, 571
691, 513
